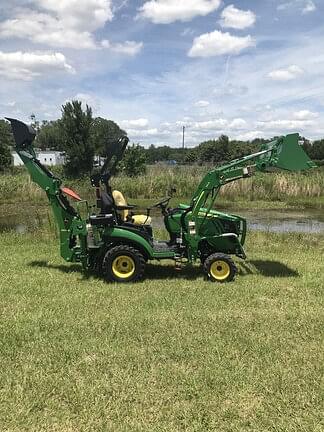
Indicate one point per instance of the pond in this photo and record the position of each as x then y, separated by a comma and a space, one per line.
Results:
26, 218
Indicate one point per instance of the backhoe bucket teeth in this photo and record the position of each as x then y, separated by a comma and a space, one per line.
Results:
290, 155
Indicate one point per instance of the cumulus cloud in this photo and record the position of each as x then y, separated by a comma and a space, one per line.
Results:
286, 124
142, 134
237, 18
290, 73
45, 29
218, 43
305, 115
130, 48
134, 124
215, 124
168, 11
249, 136
85, 15
238, 123
64, 24
28, 65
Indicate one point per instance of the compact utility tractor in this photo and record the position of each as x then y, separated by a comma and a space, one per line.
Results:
117, 243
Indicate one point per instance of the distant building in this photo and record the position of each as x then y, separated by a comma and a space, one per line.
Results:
48, 157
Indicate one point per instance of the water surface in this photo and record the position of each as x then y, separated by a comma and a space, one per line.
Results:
24, 218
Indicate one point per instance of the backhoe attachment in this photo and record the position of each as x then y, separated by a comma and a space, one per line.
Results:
72, 229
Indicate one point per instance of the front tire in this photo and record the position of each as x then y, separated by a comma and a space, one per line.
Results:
123, 264
219, 268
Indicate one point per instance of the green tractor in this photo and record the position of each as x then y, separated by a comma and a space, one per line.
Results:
117, 243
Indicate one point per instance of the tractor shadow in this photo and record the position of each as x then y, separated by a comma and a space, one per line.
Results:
157, 271
164, 272
152, 272
266, 268
67, 269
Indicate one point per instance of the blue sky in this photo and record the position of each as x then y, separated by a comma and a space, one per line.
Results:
240, 67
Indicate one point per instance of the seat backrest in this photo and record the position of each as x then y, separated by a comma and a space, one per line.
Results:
106, 203
120, 201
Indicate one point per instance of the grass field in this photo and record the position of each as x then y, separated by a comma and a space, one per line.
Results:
277, 189
173, 353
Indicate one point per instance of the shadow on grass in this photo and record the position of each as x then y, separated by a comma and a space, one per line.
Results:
152, 272
67, 269
266, 268
164, 272
160, 272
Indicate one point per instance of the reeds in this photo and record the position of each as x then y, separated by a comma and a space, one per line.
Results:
159, 179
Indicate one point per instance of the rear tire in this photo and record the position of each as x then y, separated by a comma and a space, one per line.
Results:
219, 268
123, 264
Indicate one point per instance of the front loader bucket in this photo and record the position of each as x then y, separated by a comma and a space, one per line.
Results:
289, 155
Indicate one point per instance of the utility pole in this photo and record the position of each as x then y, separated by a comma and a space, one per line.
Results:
183, 136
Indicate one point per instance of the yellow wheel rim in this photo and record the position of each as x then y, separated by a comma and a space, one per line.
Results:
220, 270
123, 267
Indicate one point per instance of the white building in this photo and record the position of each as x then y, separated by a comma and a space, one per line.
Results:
49, 158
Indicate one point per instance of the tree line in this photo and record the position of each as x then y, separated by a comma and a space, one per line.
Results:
82, 137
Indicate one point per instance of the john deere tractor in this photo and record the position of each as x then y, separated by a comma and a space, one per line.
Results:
117, 243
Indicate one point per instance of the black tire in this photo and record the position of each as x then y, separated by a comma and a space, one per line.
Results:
219, 268
123, 264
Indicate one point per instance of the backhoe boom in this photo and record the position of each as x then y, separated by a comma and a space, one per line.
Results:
72, 229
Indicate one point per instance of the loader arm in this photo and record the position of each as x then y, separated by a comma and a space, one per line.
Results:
72, 229
284, 153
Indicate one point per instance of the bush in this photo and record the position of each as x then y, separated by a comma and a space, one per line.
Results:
134, 161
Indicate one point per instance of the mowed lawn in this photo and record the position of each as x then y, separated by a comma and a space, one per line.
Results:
173, 353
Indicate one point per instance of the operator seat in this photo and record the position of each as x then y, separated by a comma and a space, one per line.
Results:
125, 215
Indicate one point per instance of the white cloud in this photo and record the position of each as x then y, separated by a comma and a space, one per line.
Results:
290, 73
28, 65
84, 15
216, 124
134, 124
44, 29
249, 136
168, 11
287, 124
305, 115
304, 6
309, 7
65, 24
135, 133
238, 123
130, 48
237, 18
202, 104
218, 43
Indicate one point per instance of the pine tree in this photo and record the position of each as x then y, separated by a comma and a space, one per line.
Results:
77, 138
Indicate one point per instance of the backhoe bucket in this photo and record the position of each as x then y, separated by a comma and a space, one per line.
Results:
289, 155
24, 135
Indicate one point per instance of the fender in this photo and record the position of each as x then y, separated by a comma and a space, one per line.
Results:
124, 235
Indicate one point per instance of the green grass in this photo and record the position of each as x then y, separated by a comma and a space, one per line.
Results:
173, 353
285, 189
